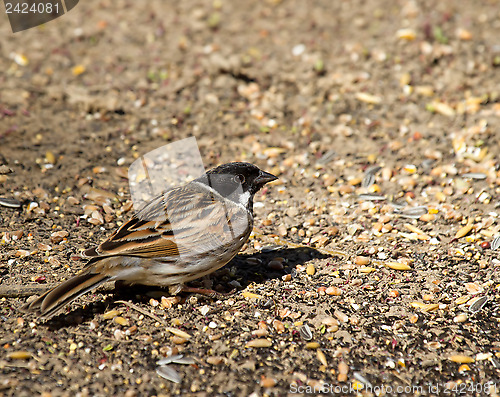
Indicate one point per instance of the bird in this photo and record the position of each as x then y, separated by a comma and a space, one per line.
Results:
180, 235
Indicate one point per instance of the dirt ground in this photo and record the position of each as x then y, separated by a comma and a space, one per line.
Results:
373, 268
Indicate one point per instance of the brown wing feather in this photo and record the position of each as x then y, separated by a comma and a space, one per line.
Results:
153, 232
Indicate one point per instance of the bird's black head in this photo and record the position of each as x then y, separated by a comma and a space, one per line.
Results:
237, 181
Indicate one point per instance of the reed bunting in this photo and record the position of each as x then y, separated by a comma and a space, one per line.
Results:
180, 235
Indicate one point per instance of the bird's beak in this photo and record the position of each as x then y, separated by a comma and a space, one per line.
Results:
265, 177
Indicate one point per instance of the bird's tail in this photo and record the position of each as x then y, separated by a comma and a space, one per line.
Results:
56, 298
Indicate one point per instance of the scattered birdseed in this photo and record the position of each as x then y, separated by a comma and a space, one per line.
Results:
368, 98
333, 291
169, 359
397, 266
369, 178
412, 213
495, 244
464, 231
266, 382
341, 316
460, 358
327, 157
250, 295
312, 345
483, 356
460, 318
372, 197
121, 321
425, 307
321, 357
259, 343
476, 305
406, 34
19, 355
111, 314
474, 288
9, 202
362, 379
178, 332
474, 175
169, 374
324, 123
305, 332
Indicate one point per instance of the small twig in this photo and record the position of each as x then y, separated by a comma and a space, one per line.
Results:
145, 312
20, 291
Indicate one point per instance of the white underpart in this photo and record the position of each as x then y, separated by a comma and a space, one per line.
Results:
244, 197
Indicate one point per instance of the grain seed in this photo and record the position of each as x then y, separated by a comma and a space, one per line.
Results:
461, 359
259, 343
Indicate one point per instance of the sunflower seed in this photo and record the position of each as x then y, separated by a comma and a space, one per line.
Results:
170, 359
369, 178
184, 360
372, 197
373, 169
478, 304
305, 332
169, 374
362, 379
270, 248
474, 175
327, 157
426, 164
413, 212
9, 202
399, 205
176, 359
495, 243
495, 362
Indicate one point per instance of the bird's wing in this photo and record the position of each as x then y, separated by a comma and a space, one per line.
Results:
185, 220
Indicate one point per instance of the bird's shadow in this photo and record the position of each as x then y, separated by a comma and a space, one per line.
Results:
240, 272
269, 264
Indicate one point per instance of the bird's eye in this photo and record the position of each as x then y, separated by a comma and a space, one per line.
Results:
239, 178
